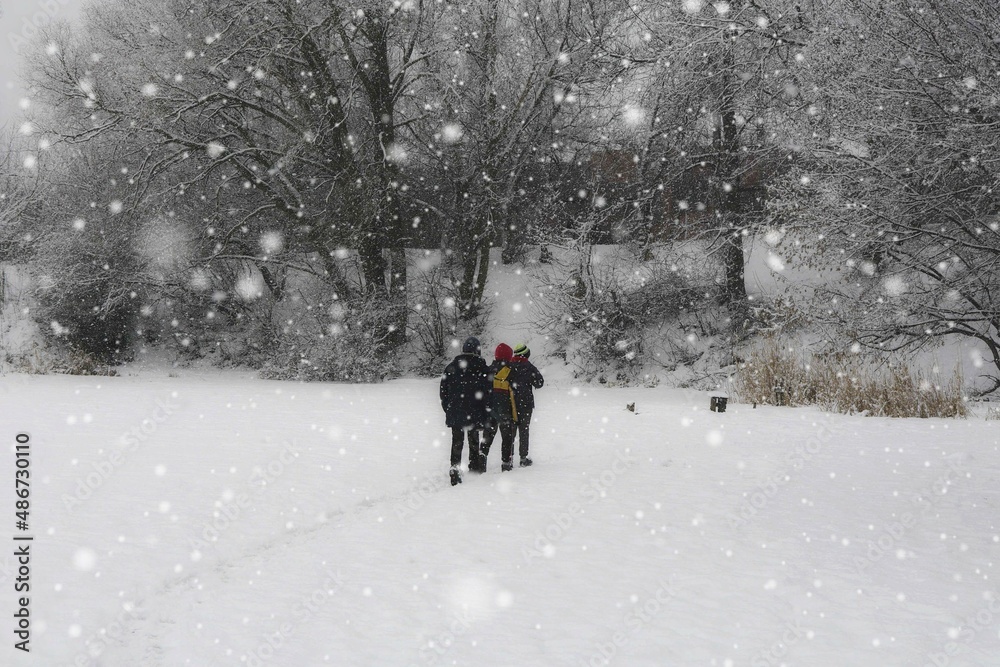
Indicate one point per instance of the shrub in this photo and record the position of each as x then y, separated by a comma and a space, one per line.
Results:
775, 373
603, 322
435, 321
92, 323
351, 342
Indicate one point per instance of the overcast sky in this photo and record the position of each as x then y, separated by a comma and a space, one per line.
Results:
18, 21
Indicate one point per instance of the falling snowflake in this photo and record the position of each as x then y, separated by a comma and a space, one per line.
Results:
200, 280
272, 242
250, 286
633, 115
214, 149
773, 236
452, 133
396, 153
84, 559
894, 285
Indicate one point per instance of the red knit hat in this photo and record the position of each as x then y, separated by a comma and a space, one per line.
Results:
503, 353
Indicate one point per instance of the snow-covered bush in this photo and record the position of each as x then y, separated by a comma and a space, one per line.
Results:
435, 320
92, 325
349, 342
606, 320
775, 373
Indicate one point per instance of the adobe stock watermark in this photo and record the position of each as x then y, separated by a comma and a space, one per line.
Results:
45, 13
417, 497
301, 613
101, 471
234, 506
115, 631
773, 654
890, 538
761, 497
983, 620
635, 620
435, 648
562, 522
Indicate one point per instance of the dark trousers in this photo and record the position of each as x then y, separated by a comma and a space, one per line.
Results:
521, 427
458, 435
507, 430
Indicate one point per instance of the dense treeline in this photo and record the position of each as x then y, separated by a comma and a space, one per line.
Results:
247, 176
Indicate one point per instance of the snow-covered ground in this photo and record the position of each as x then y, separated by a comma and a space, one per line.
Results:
216, 519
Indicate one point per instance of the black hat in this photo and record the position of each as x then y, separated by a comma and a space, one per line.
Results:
471, 346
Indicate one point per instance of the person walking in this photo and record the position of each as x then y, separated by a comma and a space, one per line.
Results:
502, 413
526, 378
464, 393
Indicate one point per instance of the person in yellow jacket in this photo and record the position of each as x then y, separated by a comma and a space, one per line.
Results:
502, 408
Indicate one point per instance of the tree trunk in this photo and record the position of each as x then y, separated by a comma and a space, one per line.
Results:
484, 270
732, 259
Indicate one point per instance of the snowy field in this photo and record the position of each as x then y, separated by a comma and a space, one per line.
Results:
216, 519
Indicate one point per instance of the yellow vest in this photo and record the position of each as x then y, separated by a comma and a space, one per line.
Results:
501, 383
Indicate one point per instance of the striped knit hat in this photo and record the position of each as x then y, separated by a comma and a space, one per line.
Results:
521, 350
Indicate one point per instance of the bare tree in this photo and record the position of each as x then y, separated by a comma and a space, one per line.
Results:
716, 105
511, 98
903, 180
281, 116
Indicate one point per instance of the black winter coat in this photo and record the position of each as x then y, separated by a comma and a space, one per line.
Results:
525, 378
465, 391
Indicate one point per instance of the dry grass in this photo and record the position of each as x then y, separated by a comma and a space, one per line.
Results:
777, 374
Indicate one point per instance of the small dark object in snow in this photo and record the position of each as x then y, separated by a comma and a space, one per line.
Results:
630, 407
780, 396
718, 403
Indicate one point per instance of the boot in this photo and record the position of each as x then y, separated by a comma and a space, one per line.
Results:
507, 465
476, 458
455, 475
525, 462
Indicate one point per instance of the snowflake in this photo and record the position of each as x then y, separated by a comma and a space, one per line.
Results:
634, 116
272, 242
692, 6
215, 149
452, 133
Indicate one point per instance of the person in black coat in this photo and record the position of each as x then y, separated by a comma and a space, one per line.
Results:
464, 393
525, 379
